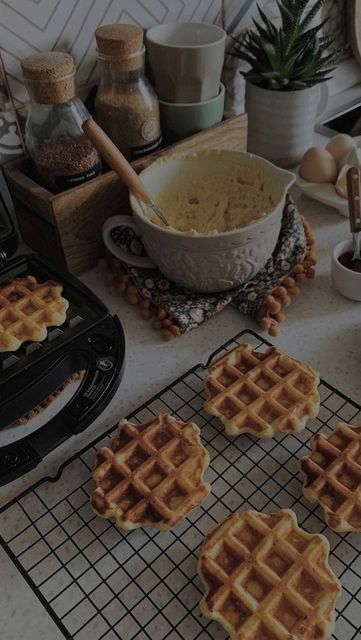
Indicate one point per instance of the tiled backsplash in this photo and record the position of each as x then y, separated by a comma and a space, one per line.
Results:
29, 26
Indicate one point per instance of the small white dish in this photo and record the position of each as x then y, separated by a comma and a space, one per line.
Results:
347, 282
326, 193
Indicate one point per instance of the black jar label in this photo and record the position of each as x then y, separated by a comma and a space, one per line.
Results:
78, 178
143, 150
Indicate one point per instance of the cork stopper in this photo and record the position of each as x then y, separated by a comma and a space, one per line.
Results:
122, 42
50, 77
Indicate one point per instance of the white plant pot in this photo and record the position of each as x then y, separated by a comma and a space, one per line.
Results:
281, 123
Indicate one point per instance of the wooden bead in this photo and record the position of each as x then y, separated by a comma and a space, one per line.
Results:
294, 291
146, 314
166, 323
275, 307
280, 292
162, 314
102, 263
298, 268
175, 329
274, 330
157, 324
265, 323
132, 290
133, 300
145, 304
300, 277
280, 317
168, 335
289, 282
286, 301
310, 272
121, 286
312, 255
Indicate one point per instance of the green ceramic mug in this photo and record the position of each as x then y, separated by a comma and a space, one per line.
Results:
182, 120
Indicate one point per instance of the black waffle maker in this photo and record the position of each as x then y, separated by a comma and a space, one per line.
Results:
91, 340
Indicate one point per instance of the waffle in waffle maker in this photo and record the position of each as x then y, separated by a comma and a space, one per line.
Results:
90, 339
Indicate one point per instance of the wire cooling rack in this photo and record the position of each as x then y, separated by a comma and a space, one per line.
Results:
98, 583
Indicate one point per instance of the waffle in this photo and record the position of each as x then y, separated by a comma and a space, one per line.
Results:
261, 393
267, 579
150, 474
332, 475
34, 413
27, 308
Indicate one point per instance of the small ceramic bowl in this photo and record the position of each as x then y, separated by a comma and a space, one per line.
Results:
347, 282
183, 119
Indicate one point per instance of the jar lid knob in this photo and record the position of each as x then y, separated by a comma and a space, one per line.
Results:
48, 66
119, 39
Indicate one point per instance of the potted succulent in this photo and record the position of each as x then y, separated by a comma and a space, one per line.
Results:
287, 63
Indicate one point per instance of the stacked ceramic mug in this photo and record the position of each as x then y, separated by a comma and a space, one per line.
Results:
186, 60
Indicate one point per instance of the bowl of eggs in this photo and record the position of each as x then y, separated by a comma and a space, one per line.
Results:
322, 172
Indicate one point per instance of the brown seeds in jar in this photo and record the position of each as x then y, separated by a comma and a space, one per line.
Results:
65, 161
126, 105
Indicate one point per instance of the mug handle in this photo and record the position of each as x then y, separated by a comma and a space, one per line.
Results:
324, 95
118, 252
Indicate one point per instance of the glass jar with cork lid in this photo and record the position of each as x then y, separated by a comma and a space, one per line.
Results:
61, 152
126, 105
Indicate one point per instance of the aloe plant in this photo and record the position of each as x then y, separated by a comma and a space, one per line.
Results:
292, 56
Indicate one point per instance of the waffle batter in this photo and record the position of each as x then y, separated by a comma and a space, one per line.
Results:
215, 203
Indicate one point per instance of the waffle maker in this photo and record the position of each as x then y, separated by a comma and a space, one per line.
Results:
91, 340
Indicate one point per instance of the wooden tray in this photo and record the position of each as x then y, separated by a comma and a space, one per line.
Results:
66, 227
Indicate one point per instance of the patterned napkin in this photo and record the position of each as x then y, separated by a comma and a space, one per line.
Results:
176, 310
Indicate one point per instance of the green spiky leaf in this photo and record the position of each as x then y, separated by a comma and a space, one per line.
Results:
293, 56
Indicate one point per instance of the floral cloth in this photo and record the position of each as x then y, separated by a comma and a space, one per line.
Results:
189, 309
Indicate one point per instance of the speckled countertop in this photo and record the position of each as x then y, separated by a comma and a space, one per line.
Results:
322, 328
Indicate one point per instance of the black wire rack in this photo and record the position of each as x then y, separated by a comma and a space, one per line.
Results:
96, 582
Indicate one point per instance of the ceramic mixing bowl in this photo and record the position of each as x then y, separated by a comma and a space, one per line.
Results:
205, 263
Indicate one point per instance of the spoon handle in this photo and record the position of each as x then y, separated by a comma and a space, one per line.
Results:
354, 198
116, 160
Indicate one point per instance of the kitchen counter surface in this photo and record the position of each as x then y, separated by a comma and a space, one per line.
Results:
322, 328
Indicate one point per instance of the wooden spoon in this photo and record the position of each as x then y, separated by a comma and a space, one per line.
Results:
121, 166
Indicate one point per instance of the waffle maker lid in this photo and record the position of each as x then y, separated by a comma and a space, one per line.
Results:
8, 224
91, 340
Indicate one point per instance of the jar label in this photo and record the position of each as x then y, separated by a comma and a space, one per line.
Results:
78, 178
150, 128
138, 152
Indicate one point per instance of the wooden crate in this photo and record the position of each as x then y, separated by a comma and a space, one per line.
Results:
66, 227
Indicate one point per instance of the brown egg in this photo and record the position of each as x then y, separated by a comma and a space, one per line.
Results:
318, 165
341, 182
339, 146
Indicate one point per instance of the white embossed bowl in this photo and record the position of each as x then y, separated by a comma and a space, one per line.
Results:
205, 263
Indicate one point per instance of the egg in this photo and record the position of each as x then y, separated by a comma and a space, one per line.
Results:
318, 165
339, 146
341, 182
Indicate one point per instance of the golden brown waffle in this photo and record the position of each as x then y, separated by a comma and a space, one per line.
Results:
333, 476
37, 411
27, 308
267, 579
150, 474
261, 393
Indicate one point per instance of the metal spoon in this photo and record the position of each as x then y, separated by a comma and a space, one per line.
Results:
121, 166
354, 207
